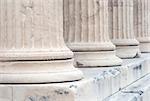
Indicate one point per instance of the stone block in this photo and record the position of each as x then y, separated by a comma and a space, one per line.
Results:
98, 84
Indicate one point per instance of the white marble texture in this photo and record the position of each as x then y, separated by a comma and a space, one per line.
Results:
142, 23
122, 25
32, 48
86, 32
99, 84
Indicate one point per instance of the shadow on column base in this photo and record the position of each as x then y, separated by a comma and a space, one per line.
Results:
127, 52
28, 72
97, 59
145, 47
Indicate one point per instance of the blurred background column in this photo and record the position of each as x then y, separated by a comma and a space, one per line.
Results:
142, 23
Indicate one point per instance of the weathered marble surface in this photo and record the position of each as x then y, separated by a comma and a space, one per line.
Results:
99, 83
142, 87
124, 97
86, 32
138, 91
130, 71
32, 48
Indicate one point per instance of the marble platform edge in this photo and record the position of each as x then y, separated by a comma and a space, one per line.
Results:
138, 91
99, 83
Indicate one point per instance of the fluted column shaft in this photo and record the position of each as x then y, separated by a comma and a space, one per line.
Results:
123, 28
86, 32
142, 23
32, 49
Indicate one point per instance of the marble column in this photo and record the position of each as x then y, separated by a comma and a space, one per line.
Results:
86, 32
122, 26
32, 48
142, 23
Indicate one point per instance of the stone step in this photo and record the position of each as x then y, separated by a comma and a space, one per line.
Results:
98, 84
138, 91
111, 80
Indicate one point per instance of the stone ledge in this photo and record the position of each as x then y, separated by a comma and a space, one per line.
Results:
99, 83
113, 79
142, 87
124, 97
138, 91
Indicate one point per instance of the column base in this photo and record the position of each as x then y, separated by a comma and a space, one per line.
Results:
97, 59
145, 47
38, 71
128, 51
